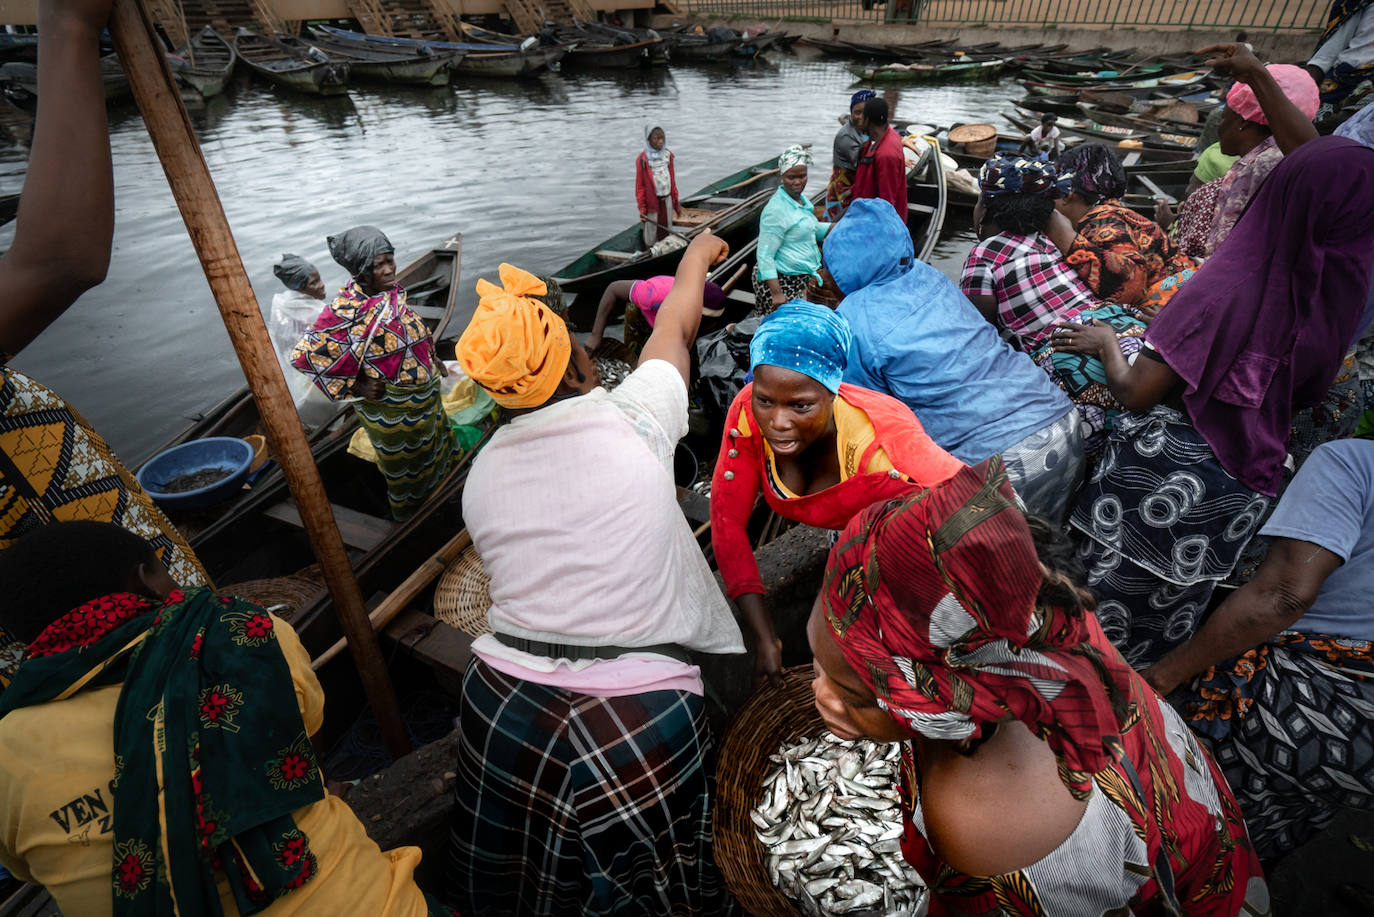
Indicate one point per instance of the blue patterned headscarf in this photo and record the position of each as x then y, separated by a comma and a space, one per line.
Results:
863, 95
806, 338
1009, 173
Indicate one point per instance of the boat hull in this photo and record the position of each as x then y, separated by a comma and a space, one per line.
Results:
931, 73
694, 52
623, 57
284, 66
511, 63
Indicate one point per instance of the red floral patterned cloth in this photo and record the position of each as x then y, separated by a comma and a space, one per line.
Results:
85, 625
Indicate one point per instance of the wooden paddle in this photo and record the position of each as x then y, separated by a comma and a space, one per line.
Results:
196, 197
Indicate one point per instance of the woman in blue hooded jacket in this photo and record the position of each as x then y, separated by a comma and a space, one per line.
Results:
920, 340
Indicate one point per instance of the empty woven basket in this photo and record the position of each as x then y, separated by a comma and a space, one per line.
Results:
462, 596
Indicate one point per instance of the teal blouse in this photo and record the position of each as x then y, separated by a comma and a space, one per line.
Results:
788, 233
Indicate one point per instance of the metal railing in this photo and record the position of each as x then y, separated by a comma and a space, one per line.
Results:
1257, 15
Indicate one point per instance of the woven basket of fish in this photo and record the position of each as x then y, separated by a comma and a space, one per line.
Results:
807, 823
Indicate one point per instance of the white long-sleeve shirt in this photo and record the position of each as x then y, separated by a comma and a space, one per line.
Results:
1352, 43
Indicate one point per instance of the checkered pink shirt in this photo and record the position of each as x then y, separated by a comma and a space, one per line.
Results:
1035, 289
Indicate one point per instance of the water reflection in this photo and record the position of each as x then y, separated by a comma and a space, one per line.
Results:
533, 172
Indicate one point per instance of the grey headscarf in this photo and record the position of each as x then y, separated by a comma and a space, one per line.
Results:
356, 248
294, 271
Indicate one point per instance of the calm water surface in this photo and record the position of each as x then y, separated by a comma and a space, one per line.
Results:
531, 172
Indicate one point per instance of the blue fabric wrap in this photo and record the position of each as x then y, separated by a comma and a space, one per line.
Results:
806, 338
918, 339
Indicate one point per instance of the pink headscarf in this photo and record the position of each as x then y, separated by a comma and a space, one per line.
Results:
1295, 82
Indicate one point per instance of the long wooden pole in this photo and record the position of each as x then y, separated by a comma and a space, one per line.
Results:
194, 190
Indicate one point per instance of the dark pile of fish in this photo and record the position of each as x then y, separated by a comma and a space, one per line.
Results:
831, 826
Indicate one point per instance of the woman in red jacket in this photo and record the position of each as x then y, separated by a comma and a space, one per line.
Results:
820, 450
656, 186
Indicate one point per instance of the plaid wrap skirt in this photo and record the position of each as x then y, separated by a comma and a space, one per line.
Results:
573, 804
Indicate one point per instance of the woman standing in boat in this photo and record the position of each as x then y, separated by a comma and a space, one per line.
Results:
845, 158
788, 256
369, 345
656, 186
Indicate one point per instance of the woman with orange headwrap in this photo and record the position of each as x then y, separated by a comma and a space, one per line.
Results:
583, 775
946, 622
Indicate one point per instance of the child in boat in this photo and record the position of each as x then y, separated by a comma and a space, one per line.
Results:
1043, 141
656, 186
161, 730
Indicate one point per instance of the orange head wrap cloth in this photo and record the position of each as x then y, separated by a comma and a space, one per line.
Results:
515, 347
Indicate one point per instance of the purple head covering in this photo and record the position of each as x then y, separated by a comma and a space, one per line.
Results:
1093, 171
1259, 331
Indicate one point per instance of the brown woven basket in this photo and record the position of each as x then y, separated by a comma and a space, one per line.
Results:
295, 592
769, 718
978, 139
461, 598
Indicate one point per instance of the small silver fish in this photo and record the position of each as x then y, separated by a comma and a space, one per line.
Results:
832, 827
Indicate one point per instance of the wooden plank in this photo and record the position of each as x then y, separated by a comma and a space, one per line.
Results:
417, 582
359, 530
443, 648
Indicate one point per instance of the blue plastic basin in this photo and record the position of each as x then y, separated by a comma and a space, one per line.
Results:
225, 453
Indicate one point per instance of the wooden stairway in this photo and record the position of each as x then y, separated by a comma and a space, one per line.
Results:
530, 16
223, 15
424, 19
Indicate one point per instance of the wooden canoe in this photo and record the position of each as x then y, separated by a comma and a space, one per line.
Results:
920, 72
1137, 120
202, 67
1124, 75
1026, 120
479, 59
693, 51
20, 80
730, 206
287, 61
1138, 88
420, 66
602, 56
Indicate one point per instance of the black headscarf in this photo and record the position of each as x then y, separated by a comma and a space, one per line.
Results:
356, 248
293, 271
1094, 170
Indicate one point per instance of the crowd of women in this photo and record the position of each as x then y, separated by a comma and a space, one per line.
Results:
1208, 491
1102, 562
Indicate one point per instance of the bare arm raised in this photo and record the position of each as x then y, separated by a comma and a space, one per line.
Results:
675, 328
66, 215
